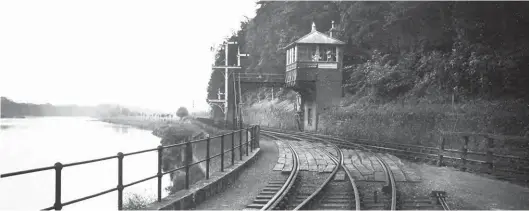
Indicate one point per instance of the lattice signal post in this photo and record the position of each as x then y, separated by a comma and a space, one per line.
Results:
225, 103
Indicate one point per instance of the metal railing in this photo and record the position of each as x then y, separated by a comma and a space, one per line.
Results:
251, 142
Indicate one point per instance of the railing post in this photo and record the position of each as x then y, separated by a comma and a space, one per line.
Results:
120, 181
207, 157
490, 158
247, 140
232, 148
464, 153
240, 144
251, 138
258, 136
58, 188
222, 153
441, 150
375, 197
189, 159
160, 152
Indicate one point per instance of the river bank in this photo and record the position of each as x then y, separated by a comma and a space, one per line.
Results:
164, 128
176, 131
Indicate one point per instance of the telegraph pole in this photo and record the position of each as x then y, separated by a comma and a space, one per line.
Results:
226, 85
225, 101
239, 110
226, 68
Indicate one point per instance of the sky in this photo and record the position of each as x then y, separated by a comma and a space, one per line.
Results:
150, 54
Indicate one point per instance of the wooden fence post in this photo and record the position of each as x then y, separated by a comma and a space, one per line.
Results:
464, 154
441, 150
490, 157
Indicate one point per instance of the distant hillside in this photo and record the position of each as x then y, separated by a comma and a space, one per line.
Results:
10, 109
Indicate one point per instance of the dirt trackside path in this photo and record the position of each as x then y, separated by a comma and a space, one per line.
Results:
254, 178
471, 191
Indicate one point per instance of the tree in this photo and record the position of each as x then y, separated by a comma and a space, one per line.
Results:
182, 112
399, 48
125, 111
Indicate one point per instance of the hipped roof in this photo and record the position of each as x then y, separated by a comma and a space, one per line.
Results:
316, 37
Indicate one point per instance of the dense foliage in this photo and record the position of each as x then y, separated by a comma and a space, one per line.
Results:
401, 50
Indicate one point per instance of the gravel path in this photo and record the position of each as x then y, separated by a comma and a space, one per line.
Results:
470, 191
250, 182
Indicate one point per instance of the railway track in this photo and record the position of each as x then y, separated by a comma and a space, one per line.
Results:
300, 190
277, 193
340, 191
506, 167
334, 193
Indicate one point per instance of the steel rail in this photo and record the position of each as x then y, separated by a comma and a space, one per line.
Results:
442, 200
391, 182
355, 188
280, 195
444, 204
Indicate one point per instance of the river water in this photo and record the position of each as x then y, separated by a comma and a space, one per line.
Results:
42, 141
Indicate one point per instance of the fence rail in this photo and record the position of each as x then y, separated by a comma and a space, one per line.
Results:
251, 143
488, 157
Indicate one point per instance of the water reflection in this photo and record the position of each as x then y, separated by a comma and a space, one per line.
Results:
120, 128
40, 142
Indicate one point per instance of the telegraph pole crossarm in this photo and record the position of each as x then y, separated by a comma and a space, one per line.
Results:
224, 103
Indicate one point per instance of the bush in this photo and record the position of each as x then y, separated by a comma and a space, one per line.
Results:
137, 202
409, 122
